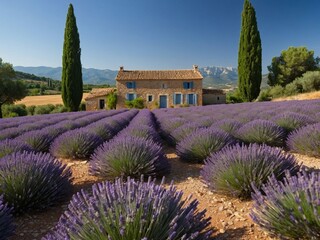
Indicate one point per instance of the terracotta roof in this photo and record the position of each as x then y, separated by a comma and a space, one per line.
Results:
192, 74
99, 92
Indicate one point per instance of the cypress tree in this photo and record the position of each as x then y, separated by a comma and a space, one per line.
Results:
249, 57
72, 85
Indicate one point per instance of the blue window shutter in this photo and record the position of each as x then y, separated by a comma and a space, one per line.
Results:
174, 98
133, 84
195, 99
191, 84
185, 85
127, 96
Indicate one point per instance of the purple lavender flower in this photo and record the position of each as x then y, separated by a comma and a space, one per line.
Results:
232, 170
132, 210
37, 140
305, 140
183, 132
6, 220
129, 156
201, 143
33, 180
9, 146
262, 132
289, 209
78, 143
291, 121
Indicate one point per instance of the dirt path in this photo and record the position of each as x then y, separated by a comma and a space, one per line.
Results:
230, 216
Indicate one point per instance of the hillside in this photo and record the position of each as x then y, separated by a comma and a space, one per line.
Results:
302, 96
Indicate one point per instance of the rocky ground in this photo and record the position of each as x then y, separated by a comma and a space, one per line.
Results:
230, 216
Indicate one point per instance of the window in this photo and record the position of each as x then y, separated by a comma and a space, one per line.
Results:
101, 104
164, 86
149, 98
131, 96
192, 99
187, 85
218, 98
177, 98
131, 84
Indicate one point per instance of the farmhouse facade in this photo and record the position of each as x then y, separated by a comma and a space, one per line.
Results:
160, 88
96, 100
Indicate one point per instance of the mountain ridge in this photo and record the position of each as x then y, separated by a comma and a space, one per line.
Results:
213, 77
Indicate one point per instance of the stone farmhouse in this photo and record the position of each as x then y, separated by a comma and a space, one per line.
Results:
160, 88
96, 100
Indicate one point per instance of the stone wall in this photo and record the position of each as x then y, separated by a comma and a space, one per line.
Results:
93, 103
157, 88
209, 99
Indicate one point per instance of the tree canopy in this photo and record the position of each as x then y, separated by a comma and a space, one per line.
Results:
249, 56
10, 90
292, 63
72, 85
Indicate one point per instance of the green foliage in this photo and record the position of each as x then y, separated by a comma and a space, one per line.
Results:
249, 56
136, 103
11, 110
276, 91
310, 81
59, 108
82, 106
234, 97
264, 96
291, 64
72, 85
112, 100
44, 109
10, 90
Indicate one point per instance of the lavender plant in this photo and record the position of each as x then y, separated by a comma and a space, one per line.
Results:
33, 180
201, 143
291, 121
37, 140
131, 210
262, 132
103, 130
232, 170
77, 143
129, 156
9, 146
228, 125
142, 131
289, 209
183, 132
6, 220
305, 140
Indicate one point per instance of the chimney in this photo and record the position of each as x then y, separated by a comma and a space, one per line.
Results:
195, 68
121, 68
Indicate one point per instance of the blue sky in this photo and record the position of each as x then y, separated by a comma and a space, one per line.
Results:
152, 34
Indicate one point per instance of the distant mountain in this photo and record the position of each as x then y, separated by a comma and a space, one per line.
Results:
90, 75
215, 77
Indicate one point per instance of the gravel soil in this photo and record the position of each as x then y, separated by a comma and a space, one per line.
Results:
230, 216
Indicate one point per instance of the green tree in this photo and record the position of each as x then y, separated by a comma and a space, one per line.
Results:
10, 90
249, 56
72, 85
291, 64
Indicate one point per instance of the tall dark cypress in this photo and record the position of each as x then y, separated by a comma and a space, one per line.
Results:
249, 57
72, 85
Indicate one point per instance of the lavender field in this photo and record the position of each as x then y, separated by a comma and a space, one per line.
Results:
245, 150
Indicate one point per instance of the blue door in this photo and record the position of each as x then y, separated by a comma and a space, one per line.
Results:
163, 101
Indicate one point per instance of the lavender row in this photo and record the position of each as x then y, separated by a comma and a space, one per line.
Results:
81, 142
40, 140
135, 151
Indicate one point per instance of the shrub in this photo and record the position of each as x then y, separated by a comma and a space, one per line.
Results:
131, 210
141, 131
6, 220
129, 156
234, 97
30, 109
289, 209
82, 106
276, 91
9, 146
43, 109
37, 140
77, 143
103, 130
59, 108
33, 180
310, 81
291, 121
112, 100
305, 140
264, 95
12, 110
292, 88
183, 131
228, 125
9, 133
201, 143
262, 132
205, 121
135, 103
232, 170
